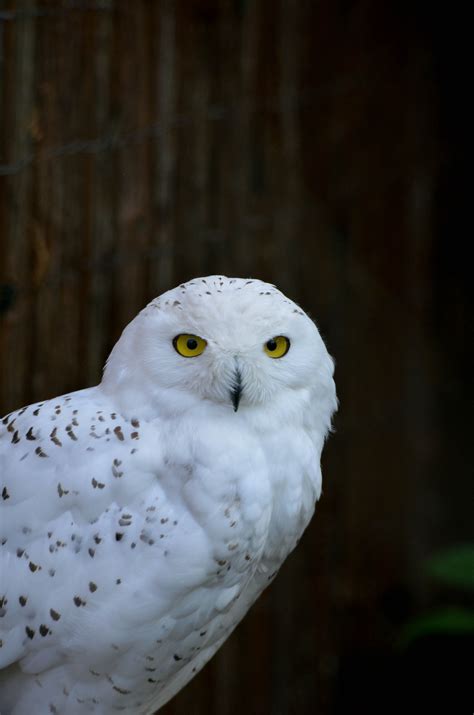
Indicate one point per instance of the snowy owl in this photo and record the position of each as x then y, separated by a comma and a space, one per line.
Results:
141, 518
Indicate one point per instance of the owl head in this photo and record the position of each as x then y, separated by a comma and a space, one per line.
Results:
228, 344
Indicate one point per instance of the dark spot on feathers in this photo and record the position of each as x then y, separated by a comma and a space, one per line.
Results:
40, 452
122, 691
5, 494
70, 433
15, 438
23, 600
177, 657
97, 538
33, 567
20, 552
135, 422
116, 472
91, 553
44, 630
118, 433
79, 601
118, 536
55, 439
30, 435
54, 614
135, 435
36, 412
29, 632
62, 491
96, 484
92, 586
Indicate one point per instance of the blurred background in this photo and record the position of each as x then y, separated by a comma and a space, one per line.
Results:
318, 145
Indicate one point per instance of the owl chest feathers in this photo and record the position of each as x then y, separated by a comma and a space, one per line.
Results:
246, 493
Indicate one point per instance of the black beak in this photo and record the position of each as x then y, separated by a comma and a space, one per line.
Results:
237, 389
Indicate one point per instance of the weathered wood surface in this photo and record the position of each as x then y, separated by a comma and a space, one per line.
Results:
143, 143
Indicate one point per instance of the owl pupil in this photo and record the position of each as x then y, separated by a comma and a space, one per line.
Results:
191, 344
271, 345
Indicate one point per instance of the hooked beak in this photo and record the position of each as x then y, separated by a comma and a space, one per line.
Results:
236, 391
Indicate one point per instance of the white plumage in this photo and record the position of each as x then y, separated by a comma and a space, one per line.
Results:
141, 518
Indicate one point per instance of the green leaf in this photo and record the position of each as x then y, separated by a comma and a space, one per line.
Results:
450, 620
453, 566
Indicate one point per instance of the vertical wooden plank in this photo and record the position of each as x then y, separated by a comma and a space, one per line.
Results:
61, 207
239, 217
163, 178
15, 271
133, 157
101, 186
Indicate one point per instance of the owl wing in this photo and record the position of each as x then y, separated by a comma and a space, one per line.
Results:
100, 553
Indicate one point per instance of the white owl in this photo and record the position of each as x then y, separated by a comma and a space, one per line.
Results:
141, 518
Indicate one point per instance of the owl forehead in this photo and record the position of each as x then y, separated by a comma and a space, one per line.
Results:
218, 306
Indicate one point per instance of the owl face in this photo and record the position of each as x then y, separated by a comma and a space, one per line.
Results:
230, 342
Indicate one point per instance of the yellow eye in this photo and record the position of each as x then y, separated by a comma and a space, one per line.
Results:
189, 345
277, 346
